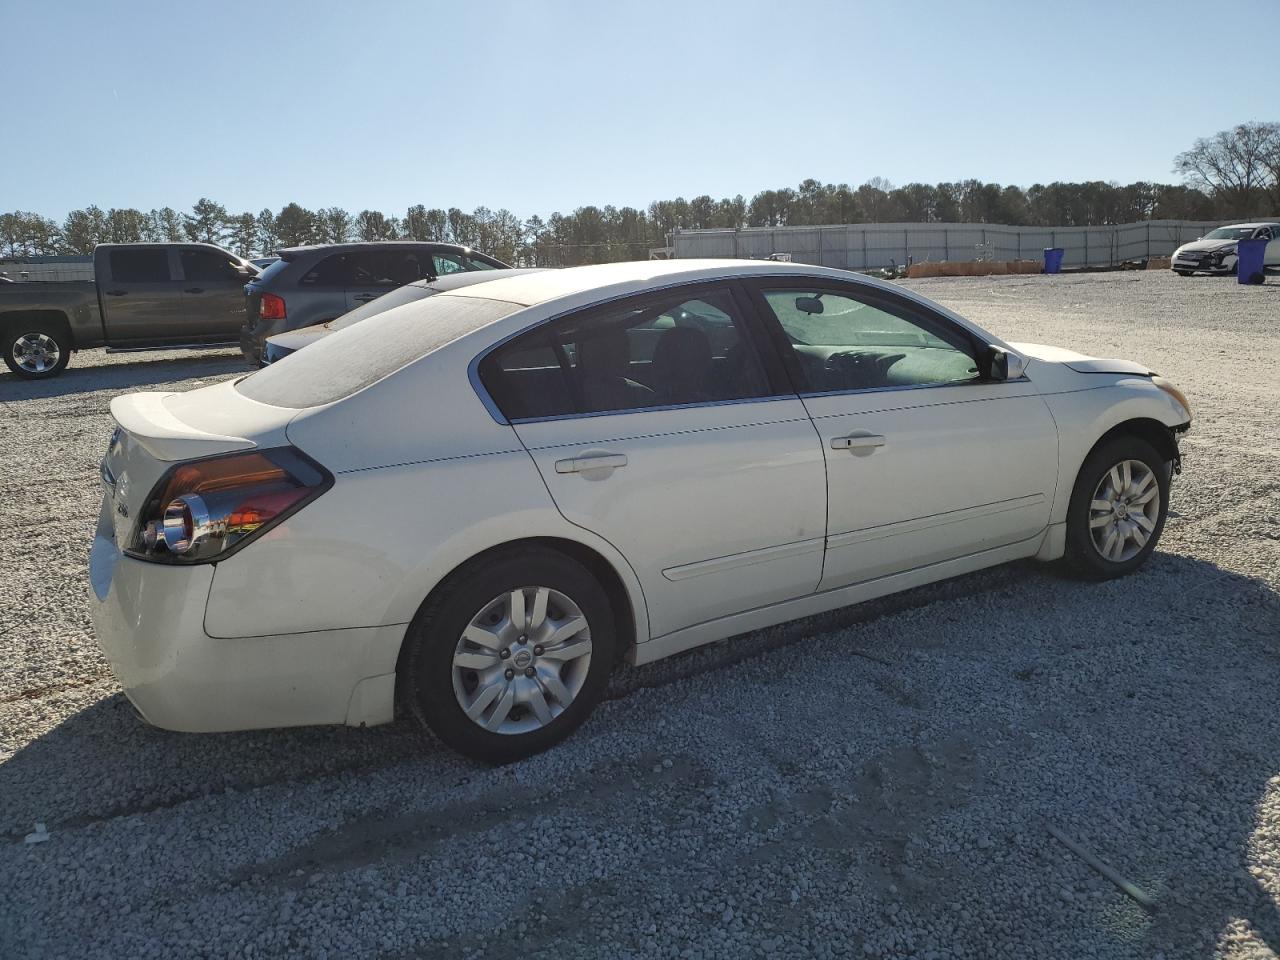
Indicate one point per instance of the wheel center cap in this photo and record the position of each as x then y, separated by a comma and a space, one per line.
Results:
1122, 510
522, 659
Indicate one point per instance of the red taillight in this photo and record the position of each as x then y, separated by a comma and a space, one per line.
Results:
204, 509
271, 307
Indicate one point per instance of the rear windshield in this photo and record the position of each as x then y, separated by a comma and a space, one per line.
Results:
271, 270
348, 360
396, 298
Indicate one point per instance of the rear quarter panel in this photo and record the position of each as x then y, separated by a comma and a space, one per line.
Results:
425, 479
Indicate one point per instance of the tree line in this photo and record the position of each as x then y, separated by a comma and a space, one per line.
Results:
1233, 174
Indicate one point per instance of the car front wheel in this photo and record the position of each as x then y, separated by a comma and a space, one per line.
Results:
1118, 509
511, 654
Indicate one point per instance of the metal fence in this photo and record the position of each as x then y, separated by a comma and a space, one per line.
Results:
870, 246
48, 268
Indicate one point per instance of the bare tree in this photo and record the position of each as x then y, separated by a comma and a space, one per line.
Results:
1232, 164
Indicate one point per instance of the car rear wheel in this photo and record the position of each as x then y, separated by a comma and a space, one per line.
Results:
36, 351
511, 654
1117, 509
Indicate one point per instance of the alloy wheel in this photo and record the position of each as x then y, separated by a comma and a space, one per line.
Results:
522, 660
1124, 510
36, 352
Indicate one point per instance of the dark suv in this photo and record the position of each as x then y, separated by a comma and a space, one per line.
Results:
310, 285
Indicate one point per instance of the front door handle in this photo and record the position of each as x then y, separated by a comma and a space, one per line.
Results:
116, 293
591, 461
855, 442
365, 297
194, 290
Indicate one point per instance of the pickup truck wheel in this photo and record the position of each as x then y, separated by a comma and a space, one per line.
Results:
36, 352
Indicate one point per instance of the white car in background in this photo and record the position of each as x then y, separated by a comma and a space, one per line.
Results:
476, 504
1215, 252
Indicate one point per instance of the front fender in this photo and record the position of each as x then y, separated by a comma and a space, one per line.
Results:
1085, 416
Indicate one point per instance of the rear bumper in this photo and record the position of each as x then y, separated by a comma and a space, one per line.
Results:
149, 620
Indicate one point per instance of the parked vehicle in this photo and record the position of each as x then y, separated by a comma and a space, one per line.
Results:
482, 501
263, 262
143, 296
283, 344
1215, 252
311, 285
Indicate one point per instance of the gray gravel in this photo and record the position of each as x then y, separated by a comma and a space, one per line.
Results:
874, 782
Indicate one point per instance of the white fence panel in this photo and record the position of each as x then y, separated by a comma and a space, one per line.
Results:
870, 246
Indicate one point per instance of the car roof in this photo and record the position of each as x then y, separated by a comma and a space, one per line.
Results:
371, 245
637, 275
1249, 226
467, 278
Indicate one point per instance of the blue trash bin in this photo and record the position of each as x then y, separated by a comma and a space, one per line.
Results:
1252, 256
1053, 259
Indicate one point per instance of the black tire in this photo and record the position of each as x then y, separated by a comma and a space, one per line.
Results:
432, 638
18, 334
1083, 558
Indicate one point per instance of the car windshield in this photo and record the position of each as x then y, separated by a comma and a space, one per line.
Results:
1230, 233
364, 353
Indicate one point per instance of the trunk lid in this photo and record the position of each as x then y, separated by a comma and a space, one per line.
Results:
157, 430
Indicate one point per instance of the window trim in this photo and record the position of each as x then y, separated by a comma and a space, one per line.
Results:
777, 382
947, 329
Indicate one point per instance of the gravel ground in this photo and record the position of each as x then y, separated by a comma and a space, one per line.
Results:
875, 782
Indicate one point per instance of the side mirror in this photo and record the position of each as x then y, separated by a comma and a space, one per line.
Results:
1002, 364
809, 305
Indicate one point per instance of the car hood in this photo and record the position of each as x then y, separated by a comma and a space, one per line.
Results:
1079, 362
1206, 246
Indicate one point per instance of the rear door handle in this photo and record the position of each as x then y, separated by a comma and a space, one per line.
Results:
857, 441
365, 297
591, 461
194, 290
116, 293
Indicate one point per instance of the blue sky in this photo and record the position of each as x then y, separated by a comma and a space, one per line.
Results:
539, 106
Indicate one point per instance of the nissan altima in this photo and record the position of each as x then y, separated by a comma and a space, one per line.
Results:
473, 506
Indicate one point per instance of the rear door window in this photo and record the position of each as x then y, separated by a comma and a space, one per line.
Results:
654, 351
390, 268
145, 265
335, 270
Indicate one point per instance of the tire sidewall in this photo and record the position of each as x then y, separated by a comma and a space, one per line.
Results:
434, 634
1082, 553
15, 333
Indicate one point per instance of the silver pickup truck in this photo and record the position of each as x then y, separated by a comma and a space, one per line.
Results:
144, 296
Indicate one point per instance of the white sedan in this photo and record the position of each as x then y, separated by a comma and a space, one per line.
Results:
473, 506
